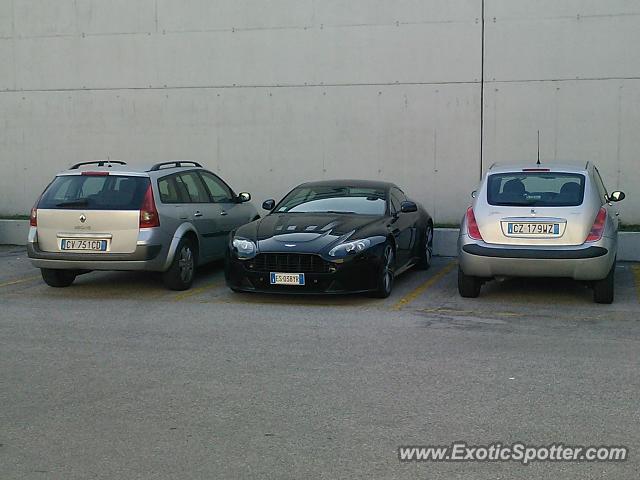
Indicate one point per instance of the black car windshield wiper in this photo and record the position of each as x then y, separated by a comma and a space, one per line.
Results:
73, 203
341, 211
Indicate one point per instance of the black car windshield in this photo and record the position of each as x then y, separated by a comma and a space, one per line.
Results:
95, 192
540, 189
327, 199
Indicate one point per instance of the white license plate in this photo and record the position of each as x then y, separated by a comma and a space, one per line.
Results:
83, 245
286, 278
549, 229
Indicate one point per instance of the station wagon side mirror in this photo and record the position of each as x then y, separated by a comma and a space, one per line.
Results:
616, 196
269, 204
474, 194
243, 197
408, 207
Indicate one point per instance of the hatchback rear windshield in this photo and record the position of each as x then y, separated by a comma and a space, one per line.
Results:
95, 192
541, 189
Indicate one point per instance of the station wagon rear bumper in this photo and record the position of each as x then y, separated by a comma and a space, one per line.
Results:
144, 257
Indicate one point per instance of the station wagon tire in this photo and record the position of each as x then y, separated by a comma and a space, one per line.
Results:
468, 286
58, 278
426, 249
386, 274
181, 272
603, 290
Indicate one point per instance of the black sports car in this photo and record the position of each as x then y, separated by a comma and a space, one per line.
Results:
341, 236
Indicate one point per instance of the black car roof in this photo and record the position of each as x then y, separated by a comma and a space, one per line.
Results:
350, 183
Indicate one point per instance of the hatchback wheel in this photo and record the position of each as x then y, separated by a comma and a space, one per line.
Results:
603, 290
58, 278
386, 276
468, 286
182, 269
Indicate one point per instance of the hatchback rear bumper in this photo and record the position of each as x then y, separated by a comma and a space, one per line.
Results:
585, 262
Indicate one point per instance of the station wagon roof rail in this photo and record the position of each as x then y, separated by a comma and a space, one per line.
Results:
174, 164
99, 163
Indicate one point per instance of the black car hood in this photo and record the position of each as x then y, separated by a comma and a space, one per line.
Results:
311, 233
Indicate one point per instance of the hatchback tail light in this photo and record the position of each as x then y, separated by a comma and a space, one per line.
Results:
598, 226
149, 217
472, 225
33, 218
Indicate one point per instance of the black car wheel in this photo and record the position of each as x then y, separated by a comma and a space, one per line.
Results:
181, 272
426, 249
58, 278
603, 290
386, 276
468, 286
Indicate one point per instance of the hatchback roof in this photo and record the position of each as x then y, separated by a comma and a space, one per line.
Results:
554, 167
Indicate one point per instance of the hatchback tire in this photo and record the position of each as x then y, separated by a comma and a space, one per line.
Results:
58, 278
603, 290
181, 272
468, 286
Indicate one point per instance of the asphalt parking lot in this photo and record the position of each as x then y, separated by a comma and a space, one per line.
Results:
116, 377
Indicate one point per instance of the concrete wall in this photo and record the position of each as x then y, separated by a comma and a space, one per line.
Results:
272, 93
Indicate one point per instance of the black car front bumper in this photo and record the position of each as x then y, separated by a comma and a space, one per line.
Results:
353, 275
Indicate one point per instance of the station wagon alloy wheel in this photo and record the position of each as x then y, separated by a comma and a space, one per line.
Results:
185, 264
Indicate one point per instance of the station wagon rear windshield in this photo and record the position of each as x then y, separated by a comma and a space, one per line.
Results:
327, 199
95, 192
539, 189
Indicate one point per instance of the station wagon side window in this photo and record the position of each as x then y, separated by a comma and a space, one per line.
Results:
219, 191
195, 188
169, 191
602, 190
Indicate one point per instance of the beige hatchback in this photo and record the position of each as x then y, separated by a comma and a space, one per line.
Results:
540, 221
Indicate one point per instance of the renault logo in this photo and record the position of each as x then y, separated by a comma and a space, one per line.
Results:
83, 218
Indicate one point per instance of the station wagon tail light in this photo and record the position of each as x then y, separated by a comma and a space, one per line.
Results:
598, 226
149, 217
472, 225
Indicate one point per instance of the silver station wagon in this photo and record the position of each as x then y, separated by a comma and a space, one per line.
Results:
540, 221
104, 215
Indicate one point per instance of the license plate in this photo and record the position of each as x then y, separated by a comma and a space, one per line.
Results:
287, 278
533, 228
83, 244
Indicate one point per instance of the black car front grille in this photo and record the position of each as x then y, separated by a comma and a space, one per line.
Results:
289, 263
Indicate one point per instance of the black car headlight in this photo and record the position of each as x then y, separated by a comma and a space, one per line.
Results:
244, 248
350, 248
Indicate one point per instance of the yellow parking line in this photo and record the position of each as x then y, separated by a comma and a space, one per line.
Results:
410, 297
636, 274
22, 280
196, 291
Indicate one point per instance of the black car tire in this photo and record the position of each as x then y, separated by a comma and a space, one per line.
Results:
58, 278
468, 286
182, 270
386, 275
603, 290
426, 249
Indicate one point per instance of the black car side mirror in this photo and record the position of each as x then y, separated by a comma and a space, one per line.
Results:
616, 196
243, 197
269, 204
408, 207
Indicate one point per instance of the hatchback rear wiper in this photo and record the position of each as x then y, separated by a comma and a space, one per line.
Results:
73, 203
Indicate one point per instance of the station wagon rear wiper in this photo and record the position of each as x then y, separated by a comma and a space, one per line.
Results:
73, 203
